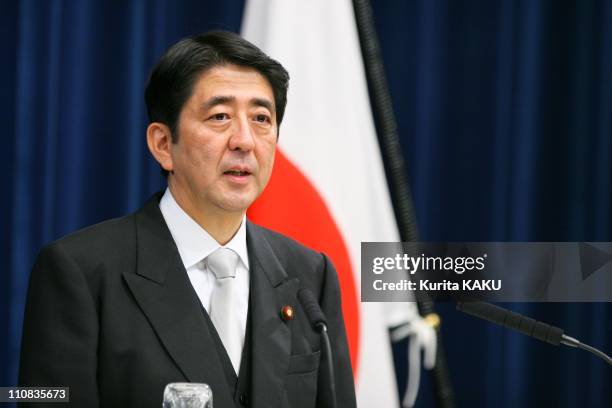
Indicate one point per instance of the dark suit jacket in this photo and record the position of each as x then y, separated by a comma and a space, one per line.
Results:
111, 313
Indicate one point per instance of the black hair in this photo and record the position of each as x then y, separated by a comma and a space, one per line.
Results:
172, 80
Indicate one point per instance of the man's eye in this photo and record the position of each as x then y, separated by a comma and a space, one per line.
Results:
219, 116
262, 118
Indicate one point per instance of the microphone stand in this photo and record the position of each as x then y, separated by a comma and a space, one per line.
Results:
526, 325
319, 324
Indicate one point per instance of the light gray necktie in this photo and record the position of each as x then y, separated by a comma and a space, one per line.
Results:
222, 263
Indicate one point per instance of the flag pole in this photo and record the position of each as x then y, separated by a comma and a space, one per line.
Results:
397, 178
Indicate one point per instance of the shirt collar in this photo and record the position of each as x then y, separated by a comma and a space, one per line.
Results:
194, 243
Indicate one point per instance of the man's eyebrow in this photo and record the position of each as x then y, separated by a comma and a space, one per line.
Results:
218, 100
263, 103
223, 99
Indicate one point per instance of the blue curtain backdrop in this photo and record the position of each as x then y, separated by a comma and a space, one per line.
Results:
504, 111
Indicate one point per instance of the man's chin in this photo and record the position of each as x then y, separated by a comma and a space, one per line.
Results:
238, 206
234, 200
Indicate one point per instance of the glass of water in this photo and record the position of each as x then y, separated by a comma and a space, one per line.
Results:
187, 395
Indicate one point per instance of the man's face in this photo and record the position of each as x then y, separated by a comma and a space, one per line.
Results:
226, 140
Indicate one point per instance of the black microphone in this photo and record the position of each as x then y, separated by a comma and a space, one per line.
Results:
526, 325
319, 324
313, 310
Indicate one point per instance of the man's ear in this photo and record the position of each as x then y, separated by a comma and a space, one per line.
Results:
159, 140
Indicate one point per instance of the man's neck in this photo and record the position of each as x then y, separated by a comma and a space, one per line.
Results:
221, 225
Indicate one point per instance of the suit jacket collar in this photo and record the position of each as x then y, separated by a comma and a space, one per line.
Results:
163, 290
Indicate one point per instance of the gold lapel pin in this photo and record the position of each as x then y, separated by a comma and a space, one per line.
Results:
287, 313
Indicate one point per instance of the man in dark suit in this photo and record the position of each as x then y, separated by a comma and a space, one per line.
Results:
186, 289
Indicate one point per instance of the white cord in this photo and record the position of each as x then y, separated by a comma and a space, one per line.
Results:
422, 337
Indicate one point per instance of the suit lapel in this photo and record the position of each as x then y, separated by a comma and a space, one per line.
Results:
271, 289
163, 291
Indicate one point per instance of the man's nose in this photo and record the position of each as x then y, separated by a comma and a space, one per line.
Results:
242, 137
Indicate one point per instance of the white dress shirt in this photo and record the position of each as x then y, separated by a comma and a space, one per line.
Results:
195, 244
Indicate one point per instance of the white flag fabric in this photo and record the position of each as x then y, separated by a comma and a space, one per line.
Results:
328, 188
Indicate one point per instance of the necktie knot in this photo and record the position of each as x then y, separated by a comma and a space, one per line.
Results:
222, 263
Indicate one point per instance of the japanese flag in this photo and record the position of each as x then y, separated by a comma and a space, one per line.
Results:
328, 188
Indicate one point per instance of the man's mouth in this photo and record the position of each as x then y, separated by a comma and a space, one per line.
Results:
237, 172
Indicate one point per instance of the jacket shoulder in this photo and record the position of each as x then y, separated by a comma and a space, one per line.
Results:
298, 261
286, 245
105, 241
